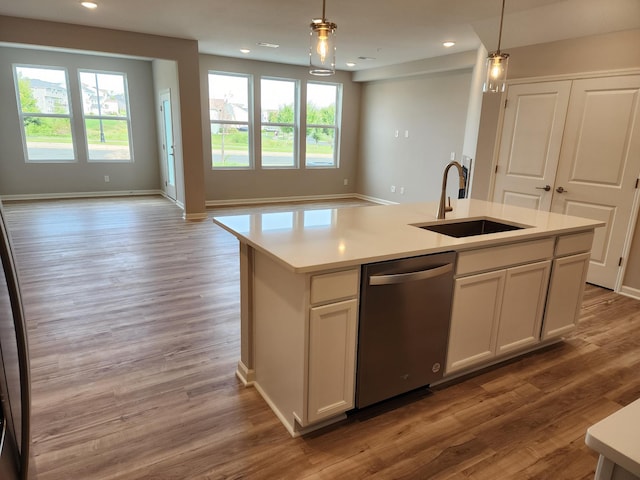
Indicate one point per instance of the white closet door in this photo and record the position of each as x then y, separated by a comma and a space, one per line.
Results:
530, 144
599, 165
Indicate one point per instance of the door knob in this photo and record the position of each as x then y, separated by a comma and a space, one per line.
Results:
561, 190
546, 188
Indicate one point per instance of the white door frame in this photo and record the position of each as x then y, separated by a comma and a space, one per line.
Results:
635, 209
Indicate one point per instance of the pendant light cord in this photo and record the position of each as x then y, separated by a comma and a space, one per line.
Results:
324, 20
501, 19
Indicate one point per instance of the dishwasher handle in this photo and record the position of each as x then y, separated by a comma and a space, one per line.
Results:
410, 277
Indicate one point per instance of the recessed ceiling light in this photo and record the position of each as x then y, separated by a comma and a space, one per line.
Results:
448, 44
245, 50
351, 64
267, 44
89, 5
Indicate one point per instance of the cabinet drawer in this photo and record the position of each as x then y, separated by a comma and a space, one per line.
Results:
493, 258
574, 243
334, 286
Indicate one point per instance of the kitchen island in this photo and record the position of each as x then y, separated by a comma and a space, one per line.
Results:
515, 291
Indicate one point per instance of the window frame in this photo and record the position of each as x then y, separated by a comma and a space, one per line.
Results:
295, 125
22, 115
106, 117
249, 123
336, 126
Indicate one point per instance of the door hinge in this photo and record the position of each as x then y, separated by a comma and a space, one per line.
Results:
637, 180
506, 100
496, 169
620, 262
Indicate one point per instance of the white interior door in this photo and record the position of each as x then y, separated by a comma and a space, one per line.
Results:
168, 149
599, 165
530, 144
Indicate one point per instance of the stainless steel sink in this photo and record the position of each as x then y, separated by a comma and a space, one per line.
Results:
469, 228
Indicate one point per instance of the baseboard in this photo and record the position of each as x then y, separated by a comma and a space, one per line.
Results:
381, 201
303, 198
70, 195
630, 292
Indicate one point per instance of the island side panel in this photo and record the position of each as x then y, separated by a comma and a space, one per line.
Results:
280, 305
246, 367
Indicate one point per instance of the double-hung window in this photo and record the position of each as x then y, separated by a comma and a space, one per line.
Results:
322, 124
105, 106
279, 132
45, 115
230, 119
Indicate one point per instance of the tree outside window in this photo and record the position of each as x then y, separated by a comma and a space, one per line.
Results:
322, 124
44, 113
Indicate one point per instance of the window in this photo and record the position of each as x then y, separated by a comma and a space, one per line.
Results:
278, 125
44, 113
105, 106
229, 114
322, 124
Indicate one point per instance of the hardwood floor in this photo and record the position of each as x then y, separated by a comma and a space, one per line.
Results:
133, 319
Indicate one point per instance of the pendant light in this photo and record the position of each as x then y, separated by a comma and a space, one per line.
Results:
497, 63
322, 51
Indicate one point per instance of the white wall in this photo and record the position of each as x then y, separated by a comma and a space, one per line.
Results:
20, 178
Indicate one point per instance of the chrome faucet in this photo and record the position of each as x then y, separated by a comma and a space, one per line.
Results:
442, 208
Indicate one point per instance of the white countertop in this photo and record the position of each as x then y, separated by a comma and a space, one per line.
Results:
320, 239
617, 437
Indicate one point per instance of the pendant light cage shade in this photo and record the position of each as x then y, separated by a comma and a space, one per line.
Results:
497, 63
322, 51
496, 80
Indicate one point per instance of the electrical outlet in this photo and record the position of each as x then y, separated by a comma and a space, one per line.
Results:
401, 190
106, 179
393, 189
346, 181
396, 134
406, 134
453, 155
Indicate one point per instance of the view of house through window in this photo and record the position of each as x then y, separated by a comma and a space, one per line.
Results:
106, 115
48, 124
278, 122
45, 113
229, 118
322, 125
282, 121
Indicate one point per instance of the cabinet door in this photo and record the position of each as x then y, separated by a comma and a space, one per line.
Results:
474, 319
523, 303
332, 354
568, 279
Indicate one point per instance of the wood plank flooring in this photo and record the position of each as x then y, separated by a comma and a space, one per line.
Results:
133, 319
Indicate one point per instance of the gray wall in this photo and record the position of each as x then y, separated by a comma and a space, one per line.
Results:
433, 109
225, 185
20, 178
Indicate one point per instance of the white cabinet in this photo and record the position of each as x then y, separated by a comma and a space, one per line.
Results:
510, 298
522, 306
332, 354
495, 313
476, 308
305, 329
565, 294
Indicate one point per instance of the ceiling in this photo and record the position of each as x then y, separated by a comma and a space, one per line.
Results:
386, 31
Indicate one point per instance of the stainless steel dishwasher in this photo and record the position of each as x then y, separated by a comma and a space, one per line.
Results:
405, 311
